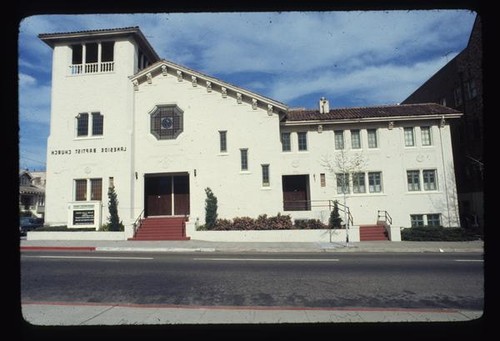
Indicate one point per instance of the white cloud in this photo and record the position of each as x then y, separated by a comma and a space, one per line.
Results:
367, 57
34, 100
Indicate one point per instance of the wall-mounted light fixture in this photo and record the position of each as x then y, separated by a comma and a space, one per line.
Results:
195, 172
136, 175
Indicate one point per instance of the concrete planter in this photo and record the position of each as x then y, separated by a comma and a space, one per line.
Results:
323, 236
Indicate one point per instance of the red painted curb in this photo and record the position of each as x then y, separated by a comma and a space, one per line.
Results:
57, 248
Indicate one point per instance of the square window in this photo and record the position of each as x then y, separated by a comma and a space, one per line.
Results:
426, 136
375, 182
342, 183
409, 138
223, 141
355, 139
358, 183
244, 159
433, 220
265, 176
339, 139
322, 179
82, 121
429, 180
417, 220
97, 124
413, 177
302, 136
372, 138
81, 190
285, 142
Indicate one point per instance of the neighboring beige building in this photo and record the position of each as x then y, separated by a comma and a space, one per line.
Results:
161, 133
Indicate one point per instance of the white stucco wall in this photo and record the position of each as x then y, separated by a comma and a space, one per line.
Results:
70, 157
127, 152
239, 193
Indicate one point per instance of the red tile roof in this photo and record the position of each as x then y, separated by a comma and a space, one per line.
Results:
400, 110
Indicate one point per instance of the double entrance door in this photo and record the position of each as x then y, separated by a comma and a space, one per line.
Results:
166, 195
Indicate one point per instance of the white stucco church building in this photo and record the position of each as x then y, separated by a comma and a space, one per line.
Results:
161, 133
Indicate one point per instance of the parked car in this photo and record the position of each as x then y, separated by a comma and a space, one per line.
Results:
28, 224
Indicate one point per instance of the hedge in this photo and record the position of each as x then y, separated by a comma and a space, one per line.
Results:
437, 233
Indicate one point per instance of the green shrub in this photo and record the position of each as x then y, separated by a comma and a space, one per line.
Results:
309, 224
223, 225
210, 209
107, 227
437, 233
280, 222
335, 222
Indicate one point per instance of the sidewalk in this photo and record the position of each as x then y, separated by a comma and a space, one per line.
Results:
207, 246
70, 314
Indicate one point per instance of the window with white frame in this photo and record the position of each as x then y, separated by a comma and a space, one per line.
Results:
413, 177
302, 139
88, 188
355, 139
89, 122
342, 183
95, 189
244, 159
265, 176
433, 220
82, 124
429, 177
339, 139
358, 183
372, 138
286, 145
375, 182
426, 136
409, 137
223, 141
417, 220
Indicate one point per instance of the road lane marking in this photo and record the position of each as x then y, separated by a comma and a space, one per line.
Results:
469, 260
272, 259
92, 257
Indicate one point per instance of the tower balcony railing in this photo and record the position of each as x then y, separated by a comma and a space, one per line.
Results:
77, 69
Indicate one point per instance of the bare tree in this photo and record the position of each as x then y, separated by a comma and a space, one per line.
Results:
343, 166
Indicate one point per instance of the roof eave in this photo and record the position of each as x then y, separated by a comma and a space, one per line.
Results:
142, 75
372, 119
135, 32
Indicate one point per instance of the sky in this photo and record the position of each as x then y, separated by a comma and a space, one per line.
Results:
353, 58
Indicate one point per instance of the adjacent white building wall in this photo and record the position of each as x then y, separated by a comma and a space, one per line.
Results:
391, 158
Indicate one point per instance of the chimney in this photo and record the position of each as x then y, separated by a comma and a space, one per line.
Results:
324, 106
